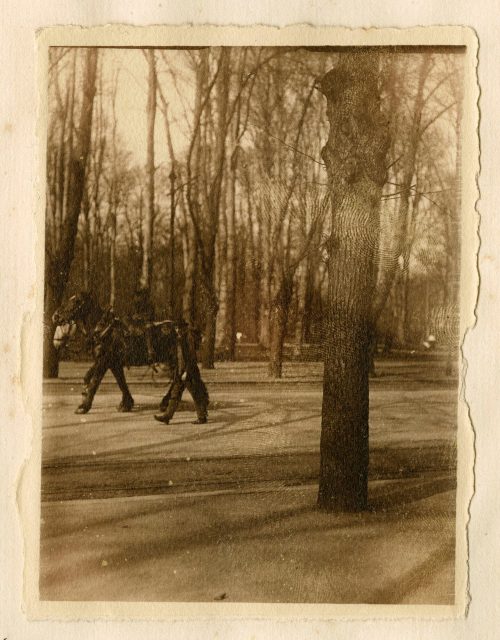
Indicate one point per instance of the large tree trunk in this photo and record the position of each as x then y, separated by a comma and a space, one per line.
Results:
58, 267
355, 158
147, 256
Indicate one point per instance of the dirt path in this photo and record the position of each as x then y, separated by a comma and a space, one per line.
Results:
137, 510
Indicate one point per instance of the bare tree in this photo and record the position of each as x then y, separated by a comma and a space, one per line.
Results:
418, 97
390, 255
59, 255
204, 193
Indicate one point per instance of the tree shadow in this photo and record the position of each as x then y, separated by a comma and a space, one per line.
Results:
275, 525
205, 433
403, 493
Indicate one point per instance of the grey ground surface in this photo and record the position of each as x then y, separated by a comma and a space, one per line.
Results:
136, 510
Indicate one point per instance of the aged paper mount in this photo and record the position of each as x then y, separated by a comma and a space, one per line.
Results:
29, 491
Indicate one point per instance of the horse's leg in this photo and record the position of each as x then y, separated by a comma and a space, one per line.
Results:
127, 402
85, 406
92, 380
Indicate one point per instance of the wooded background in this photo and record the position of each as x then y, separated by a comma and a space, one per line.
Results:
216, 194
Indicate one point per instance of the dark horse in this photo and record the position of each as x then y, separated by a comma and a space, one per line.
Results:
114, 345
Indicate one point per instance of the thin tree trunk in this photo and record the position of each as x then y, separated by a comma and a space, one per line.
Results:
355, 159
214, 201
399, 300
425, 320
255, 262
211, 308
405, 320
112, 265
86, 241
232, 258
113, 203
453, 250
266, 287
311, 268
172, 243
230, 323
147, 256
172, 178
279, 319
222, 273
189, 257
301, 305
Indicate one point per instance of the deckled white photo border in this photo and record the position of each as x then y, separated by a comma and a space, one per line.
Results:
29, 485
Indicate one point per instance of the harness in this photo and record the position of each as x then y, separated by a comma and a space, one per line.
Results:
100, 333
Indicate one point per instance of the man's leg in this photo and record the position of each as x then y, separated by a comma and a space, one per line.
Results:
176, 391
198, 390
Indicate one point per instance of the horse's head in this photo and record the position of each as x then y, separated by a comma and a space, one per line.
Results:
77, 308
75, 311
63, 333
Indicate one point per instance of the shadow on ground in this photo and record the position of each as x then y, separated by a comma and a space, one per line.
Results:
134, 510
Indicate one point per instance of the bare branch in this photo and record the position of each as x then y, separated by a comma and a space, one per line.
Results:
436, 117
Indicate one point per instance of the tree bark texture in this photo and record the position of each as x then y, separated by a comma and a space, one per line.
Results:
355, 155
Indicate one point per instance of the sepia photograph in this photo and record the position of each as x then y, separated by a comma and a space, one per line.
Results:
254, 297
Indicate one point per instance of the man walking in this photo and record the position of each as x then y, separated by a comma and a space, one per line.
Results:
187, 375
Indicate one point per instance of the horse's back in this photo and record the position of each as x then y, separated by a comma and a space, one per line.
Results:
136, 348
